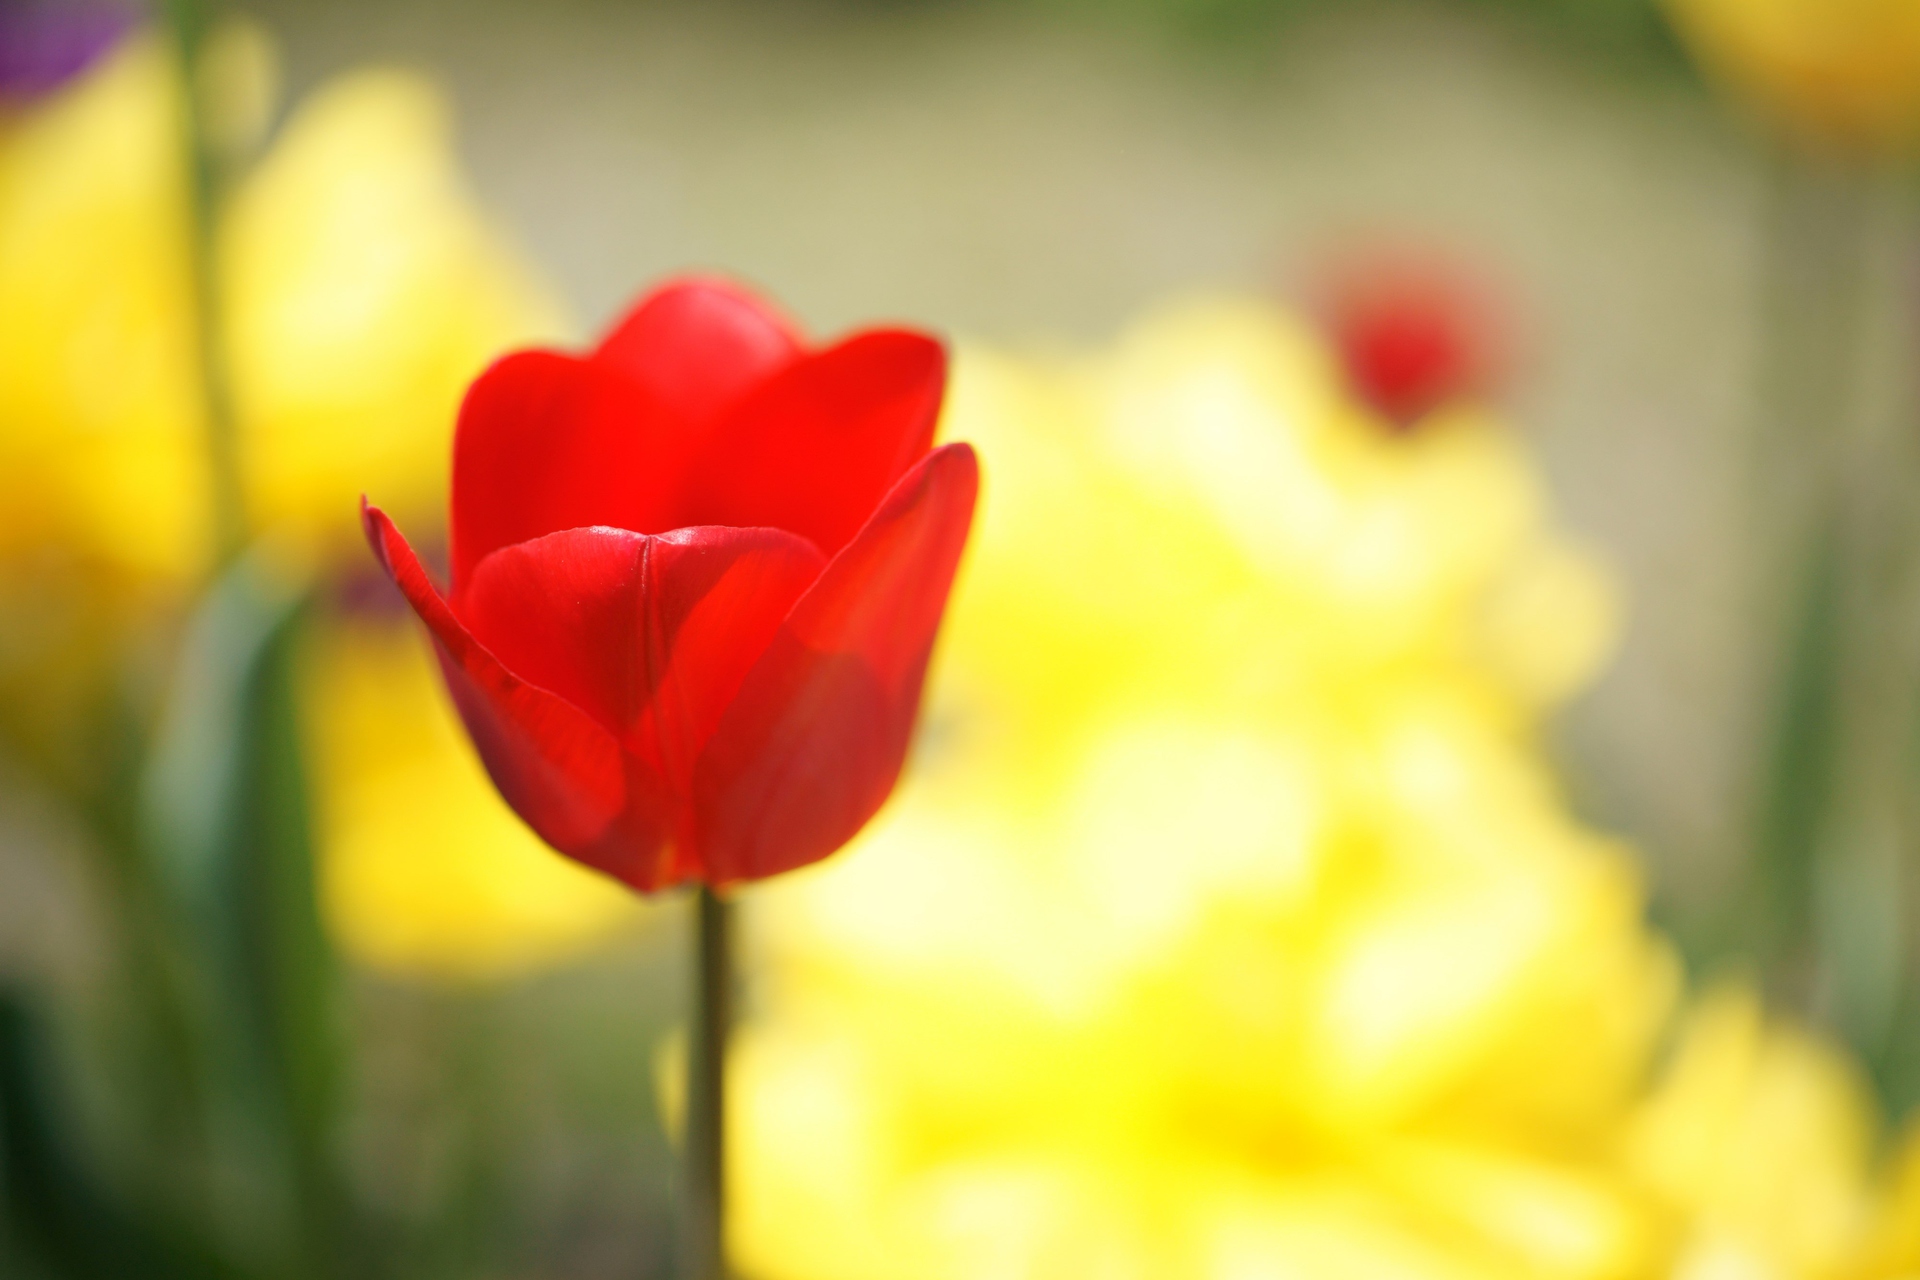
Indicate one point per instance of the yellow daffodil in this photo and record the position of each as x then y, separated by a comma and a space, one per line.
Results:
360, 293
1893, 1248
1842, 73
1760, 1135
1231, 924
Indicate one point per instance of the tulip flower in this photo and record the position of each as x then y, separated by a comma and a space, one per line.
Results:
1894, 1245
696, 578
1414, 332
1839, 74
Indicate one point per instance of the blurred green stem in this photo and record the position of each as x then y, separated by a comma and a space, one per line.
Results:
474, 1221
189, 22
1815, 266
1835, 813
1866, 907
168, 1087
1864, 924
268, 969
703, 1206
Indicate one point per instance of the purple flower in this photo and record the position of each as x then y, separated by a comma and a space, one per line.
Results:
44, 43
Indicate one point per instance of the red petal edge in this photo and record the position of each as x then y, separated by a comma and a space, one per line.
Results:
546, 442
562, 773
814, 742
696, 344
815, 448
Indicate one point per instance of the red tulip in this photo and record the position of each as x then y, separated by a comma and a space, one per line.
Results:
696, 576
1416, 331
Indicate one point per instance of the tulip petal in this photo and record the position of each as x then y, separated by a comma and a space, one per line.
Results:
548, 442
556, 768
695, 345
815, 448
651, 636
813, 742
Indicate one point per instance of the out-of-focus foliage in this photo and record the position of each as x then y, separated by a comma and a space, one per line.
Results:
1234, 924
1628, 29
1838, 73
360, 291
252, 1068
1833, 532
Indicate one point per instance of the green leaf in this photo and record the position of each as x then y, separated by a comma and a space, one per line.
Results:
225, 812
56, 1220
1800, 778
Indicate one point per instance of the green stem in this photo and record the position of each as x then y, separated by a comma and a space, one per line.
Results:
269, 980
189, 21
703, 1209
1837, 818
1866, 912
1816, 276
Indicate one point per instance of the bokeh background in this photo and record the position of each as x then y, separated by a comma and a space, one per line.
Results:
1040, 173
1695, 274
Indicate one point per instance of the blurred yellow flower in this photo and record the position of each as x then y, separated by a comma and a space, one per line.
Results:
1893, 1249
1840, 73
363, 294
360, 293
1231, 924
1760, 1136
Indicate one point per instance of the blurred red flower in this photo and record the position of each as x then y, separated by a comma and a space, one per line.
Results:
696, 576
1415, 331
